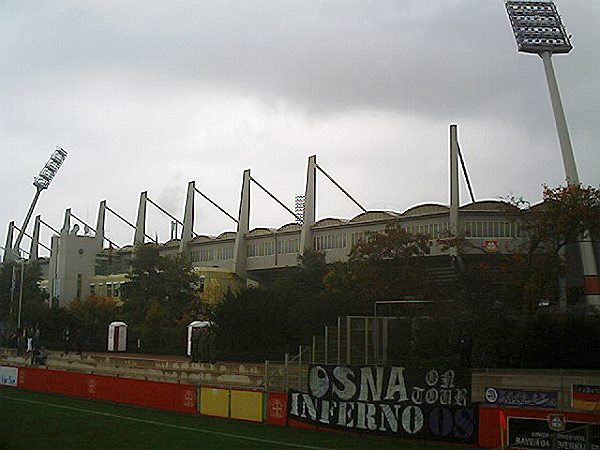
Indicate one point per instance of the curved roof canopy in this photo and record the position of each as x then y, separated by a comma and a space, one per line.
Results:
425, 209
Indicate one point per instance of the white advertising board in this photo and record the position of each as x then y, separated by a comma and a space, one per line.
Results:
9, 376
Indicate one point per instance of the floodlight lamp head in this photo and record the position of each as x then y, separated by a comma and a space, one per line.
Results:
44, 178
537, 27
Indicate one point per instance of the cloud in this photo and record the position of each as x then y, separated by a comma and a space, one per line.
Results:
150, 96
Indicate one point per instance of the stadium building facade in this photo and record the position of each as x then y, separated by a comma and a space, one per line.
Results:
80, 265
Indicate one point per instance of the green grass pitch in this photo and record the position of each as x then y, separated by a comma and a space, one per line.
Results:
33, 420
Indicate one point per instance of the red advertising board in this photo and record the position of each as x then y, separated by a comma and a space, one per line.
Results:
150, 394
277, 403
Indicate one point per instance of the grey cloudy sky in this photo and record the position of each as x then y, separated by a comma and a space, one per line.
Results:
150, 95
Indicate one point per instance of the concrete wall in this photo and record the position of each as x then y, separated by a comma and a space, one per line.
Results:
72, 265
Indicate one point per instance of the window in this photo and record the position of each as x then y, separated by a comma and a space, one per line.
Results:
436, 230
109, 289
92, 289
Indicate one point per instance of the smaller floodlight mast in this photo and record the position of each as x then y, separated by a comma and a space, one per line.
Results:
538, 28
41, 182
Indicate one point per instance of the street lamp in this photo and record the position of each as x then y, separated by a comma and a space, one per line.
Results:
538, 29
41, 181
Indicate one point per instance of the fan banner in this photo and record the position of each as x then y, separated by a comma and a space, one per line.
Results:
521, 398
412, 403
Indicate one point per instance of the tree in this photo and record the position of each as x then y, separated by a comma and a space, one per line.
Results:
564, 215
560, 220
266, 322
33, 303
386, 265
157, 281
93, 316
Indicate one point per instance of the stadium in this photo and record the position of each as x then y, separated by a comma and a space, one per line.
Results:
81, 264
348, 381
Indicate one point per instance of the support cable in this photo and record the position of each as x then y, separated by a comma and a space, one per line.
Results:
49, 226
215, 205
164, 211
340, 188
129, 223
277, 200
31, 237
466, 175
82, 222
94, 230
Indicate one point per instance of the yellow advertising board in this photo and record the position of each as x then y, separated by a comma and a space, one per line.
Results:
214, 402
247, 405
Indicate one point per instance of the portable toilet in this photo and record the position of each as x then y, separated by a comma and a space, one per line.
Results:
117, 337
193, 328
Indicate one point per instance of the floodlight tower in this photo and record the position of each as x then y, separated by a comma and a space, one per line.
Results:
538, 29
41, 181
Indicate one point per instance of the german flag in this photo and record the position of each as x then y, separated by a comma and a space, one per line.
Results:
585, 397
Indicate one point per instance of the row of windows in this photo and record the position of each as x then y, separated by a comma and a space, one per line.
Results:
261, 249
492, 229
112, 289
288, 246
204, 254
339, 241
330, 242
431, 230
208, 254
359, 236
224, 253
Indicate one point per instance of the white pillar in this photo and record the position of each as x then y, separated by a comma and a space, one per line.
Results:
55, 287
187, 234
99, 237
66, 228
310, 205
240, 252
140, 223
35, 241
8, 245
454, 190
